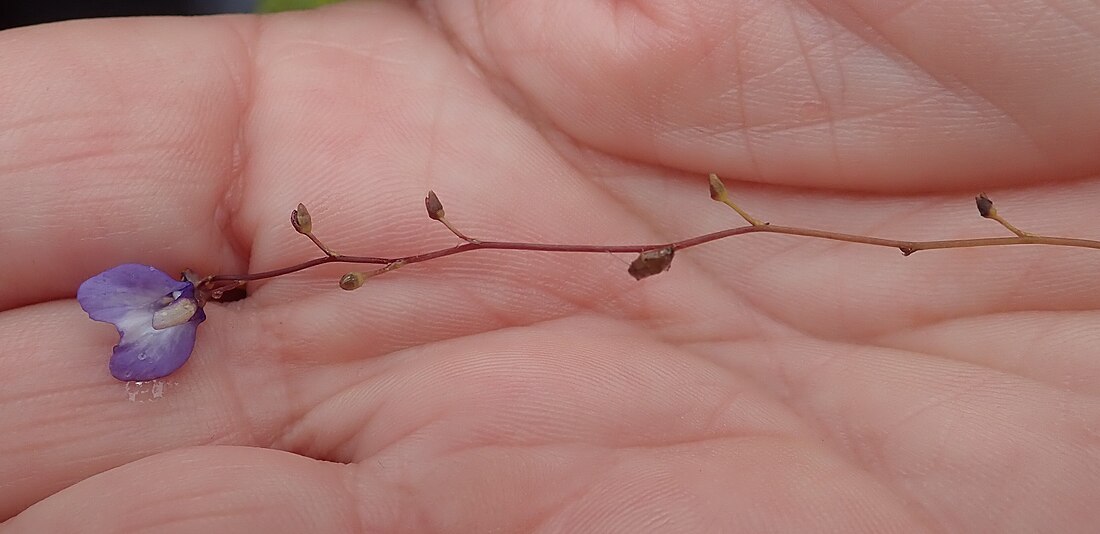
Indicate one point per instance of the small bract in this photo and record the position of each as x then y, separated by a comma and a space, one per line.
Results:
156, 317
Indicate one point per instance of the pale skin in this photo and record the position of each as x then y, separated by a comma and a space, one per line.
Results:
766, 383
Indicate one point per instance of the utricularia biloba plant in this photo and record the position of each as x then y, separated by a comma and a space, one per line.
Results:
157, 316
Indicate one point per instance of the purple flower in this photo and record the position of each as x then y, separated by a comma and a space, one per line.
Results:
155, 315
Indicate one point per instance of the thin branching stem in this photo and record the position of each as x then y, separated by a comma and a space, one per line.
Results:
906, 247
653, 258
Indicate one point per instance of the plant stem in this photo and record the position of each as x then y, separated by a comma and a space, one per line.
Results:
906, 247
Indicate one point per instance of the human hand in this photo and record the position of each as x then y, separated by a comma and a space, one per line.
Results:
766, 383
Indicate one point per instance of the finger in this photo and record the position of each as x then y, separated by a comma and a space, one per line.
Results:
68, 419
113, 150
777, 488
821, 94
215, 489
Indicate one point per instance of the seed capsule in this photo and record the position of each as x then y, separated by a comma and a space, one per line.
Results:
651, 262
352, 280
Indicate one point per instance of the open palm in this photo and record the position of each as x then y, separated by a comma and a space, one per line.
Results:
766, 383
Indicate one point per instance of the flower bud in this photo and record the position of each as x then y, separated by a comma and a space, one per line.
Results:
717, 188
301, 221
434, 206
352, 280
651, 262
985, 206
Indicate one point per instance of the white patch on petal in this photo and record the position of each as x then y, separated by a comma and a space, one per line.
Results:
178, 312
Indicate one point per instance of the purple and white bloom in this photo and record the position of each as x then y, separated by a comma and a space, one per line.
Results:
156, 317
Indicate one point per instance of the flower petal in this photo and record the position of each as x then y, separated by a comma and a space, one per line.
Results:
128, 296
144, 353
110, 295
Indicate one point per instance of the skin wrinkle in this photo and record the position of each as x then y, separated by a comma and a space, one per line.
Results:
825, 101
742, 108
558, 504
957, 87
401, 509
918, 511
968, 99
272, 340
511, 95
363, 426
1055, 7
779, 126
838, 58
748, 299
350, 445
900, 341
310, 47
889, 48
244, 426
761, 306
785, 127
308, 444
287, 438
237, 411
233, 191
922, 323
901, 10
797, 383
806, 51
1027, 28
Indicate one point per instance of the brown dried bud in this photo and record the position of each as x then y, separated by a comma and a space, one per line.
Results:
352, 280
301, 221
434, 206
985, 206
717, 188
651, 262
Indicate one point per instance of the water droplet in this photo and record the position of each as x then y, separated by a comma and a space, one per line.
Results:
147, 390
141, 356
